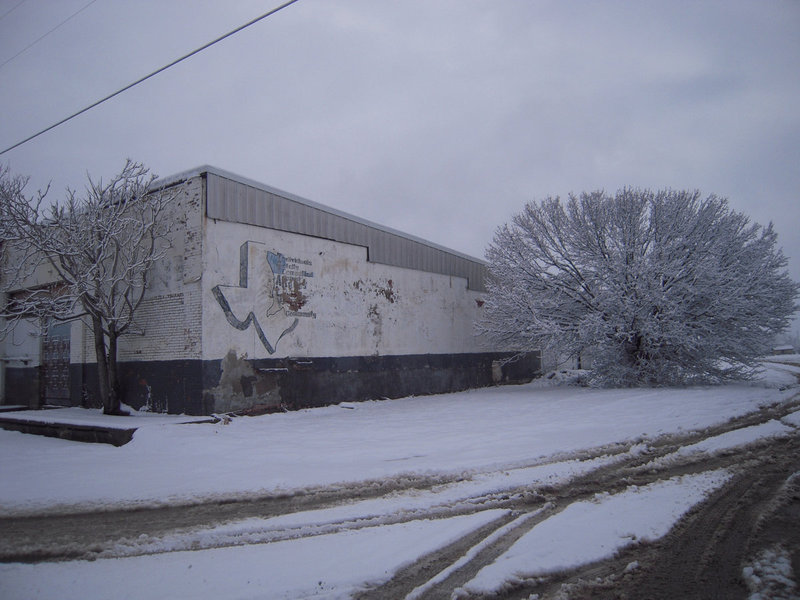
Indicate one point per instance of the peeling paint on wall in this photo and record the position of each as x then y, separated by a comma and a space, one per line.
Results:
380, 289
386, 291
241, 387
376, 320
291, 292
333, 286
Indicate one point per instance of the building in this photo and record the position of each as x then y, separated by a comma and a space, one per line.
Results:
269, 301
783, 349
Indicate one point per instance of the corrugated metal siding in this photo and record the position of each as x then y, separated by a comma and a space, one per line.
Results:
239, 202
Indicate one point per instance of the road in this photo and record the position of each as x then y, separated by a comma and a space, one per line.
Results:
701, 557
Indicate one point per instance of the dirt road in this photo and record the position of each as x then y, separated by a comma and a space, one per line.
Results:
702, 557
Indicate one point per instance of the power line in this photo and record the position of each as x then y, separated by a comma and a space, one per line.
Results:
12, 9
33, 43
146, 77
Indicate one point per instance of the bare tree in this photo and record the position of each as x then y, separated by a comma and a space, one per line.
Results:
88, 257
660, 287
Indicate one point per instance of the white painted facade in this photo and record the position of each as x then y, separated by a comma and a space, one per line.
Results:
316, 297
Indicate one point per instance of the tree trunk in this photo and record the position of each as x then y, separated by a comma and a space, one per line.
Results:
115, 396
107, 380
102, 362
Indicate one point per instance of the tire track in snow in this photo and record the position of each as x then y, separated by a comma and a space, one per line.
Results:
119, 533
637, 471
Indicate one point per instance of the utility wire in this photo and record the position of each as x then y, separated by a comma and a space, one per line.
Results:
146, 77
33, 43
12, 9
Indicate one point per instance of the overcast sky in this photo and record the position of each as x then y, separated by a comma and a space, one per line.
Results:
440, 118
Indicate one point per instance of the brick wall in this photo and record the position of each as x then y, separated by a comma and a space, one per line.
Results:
168, 322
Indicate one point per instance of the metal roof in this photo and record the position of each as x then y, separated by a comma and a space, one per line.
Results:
230, 197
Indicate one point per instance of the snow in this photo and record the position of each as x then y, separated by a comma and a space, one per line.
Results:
792, 419
588, 531
779, 374
327, 566
784, 358
474, 446
95, 417
470, 554
733, 439
376, 511
451, 436
739, 437
770, 576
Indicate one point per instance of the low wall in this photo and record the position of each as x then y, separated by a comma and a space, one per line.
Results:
67, 431
234, 384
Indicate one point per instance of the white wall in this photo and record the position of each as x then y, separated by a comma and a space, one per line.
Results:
22, 345
329, 301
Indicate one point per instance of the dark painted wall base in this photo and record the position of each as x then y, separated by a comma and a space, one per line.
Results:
173, 386
22, 386
234, 384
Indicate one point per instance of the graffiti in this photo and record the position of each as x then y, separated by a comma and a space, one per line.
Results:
270, 294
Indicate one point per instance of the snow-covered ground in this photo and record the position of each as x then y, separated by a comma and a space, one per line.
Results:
471, 432
588, 531
785, 358
326, 566
735, 438
478, 442
769, 576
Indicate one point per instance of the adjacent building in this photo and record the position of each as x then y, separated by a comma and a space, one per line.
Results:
268, 301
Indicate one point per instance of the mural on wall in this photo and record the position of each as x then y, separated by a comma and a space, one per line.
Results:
271, 294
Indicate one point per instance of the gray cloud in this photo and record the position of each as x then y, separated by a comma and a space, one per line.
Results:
438, 118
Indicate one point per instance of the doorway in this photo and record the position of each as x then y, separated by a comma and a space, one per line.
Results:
55, 365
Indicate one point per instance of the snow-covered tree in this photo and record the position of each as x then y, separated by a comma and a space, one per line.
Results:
86, 258
659, 287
